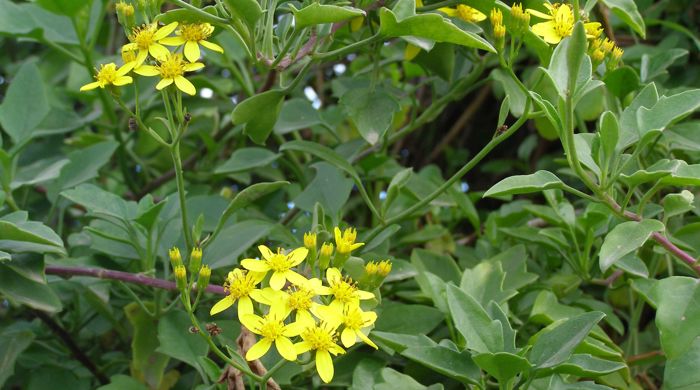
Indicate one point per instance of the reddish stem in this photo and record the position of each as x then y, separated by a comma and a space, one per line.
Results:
143, 280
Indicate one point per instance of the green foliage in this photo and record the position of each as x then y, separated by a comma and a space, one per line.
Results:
530, 200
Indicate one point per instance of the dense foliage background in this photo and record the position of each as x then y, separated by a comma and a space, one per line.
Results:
575, 271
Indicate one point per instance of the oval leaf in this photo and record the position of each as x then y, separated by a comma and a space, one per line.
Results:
523, 184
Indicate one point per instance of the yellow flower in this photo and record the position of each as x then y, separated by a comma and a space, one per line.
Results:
280, 265
129, 57
146, 40
175, 257
464, 12
298, 299
344, 291
239, 285
559, 24
321, 339
109, 74
171, 69
124, 8
353, 320
346, 241
180, 277
520, 19
310, 240
273, 330
192, 35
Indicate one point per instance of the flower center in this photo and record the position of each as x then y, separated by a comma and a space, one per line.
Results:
344, 290
466, 13
300, 299
143, 36
240, 286
321, 338
279, 262
353, 320
563, 21
271, 329
107, 73
172, 66
196, 32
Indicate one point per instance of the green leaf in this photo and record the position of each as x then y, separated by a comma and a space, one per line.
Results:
296, 114
100, 202
677, 204
238, 239
442, 266
247, 10
29, 236
12, 344
400, 342
628, 12
471, 320
84, 165
259, 114
585, 365
625, 238
622, 81
555, 346
456, 365
177, 341
245, 159
393, 317
515, 96
502, 365
677, 314
486, 282
330, 188
681, 371
370, 110
431, 26
123, 382
63, 7
665, 111
609, 131
629, 132
523, 184
36, 295
147, 365
317, 13
249, 195
25, 104
575, 53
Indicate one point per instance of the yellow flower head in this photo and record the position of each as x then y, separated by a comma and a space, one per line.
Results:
384, 268
109, 74
344, 290
520, 19
310, 240
280, 264
203, 279
298, 299
496, 16
593, 30
171, 69
321, 339
464, 12
192, 35
499, 30
371, 268
175, 257
353, 320
146, 40
180, 277
272, 329
346, 241
124, 8
239, 286
559, 24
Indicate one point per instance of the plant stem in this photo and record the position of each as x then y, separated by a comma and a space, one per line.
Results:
180, 180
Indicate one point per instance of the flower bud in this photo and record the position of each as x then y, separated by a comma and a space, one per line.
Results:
375, 272
181, 277
325, 258
203, 279
520, 20
310, 244
499, 30
125, 15
195, 260
175, 258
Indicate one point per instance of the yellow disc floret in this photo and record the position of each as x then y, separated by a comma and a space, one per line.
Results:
109, 74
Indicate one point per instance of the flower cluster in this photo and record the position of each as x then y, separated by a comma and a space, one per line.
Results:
296, 313
147, 55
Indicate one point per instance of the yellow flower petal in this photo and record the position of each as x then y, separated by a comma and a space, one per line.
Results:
365, 294
141, 57
130, 46
265, 296
286, 348
147, 70
245, 306
295, 278
324, 366
278, 280
338, 235
448, 11
90, 86
222, 305
367, 340
173, 41
193, 66
348, 337
258, 349
158, 51
539, 14
163, 83
547, 31
191, 51
252, 321
333, 275
295, 328
126, 68
265, 252
302, 347
123, 80
297, 256
255, 265
212, 46
164, 31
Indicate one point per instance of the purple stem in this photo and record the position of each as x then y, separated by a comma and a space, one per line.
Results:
68, 271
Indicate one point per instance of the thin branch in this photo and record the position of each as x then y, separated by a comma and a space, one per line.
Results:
67, 339
68, 271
